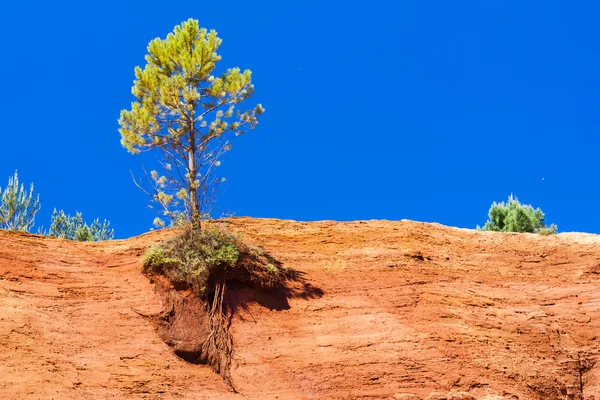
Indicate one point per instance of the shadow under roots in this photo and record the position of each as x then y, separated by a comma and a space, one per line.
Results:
197, 329
193, 357
277, 298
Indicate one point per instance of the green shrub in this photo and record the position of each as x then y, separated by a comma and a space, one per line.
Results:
513, 216
17, 206
83, 234
157, 258
74, 228
548, 230
199, 258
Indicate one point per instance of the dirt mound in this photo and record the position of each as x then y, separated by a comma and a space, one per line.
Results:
384, 310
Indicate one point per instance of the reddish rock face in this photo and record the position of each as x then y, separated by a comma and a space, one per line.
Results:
380, 310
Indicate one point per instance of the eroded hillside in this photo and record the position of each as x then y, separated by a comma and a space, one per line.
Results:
381, 310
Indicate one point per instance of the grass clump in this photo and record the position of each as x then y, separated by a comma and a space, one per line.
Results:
548, 230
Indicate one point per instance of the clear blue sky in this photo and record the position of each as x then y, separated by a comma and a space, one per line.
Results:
426, 110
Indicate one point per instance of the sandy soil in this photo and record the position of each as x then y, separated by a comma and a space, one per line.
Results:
384, 310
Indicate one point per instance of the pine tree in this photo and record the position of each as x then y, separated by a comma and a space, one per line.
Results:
187, 113
64, 226
101, 231
17, 206
74, 228
513, 216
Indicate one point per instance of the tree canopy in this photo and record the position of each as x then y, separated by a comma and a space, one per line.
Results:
74, 228
188, 113
513, 216
17, 206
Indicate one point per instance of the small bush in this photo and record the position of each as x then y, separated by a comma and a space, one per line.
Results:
74, 228
199, 258
548, 230
156, 259
18, 207
513, 216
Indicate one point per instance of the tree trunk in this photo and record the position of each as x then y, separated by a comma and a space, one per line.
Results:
193, 193
196, 217
192, 189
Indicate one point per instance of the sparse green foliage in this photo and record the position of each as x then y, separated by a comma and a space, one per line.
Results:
64, 226
197, 257
548, 230
101, 231
74, 228
84, 234
513, 216
17, 206
157, 259
187, 113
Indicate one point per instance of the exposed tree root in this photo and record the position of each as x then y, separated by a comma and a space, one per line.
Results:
217, 349
198, 326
